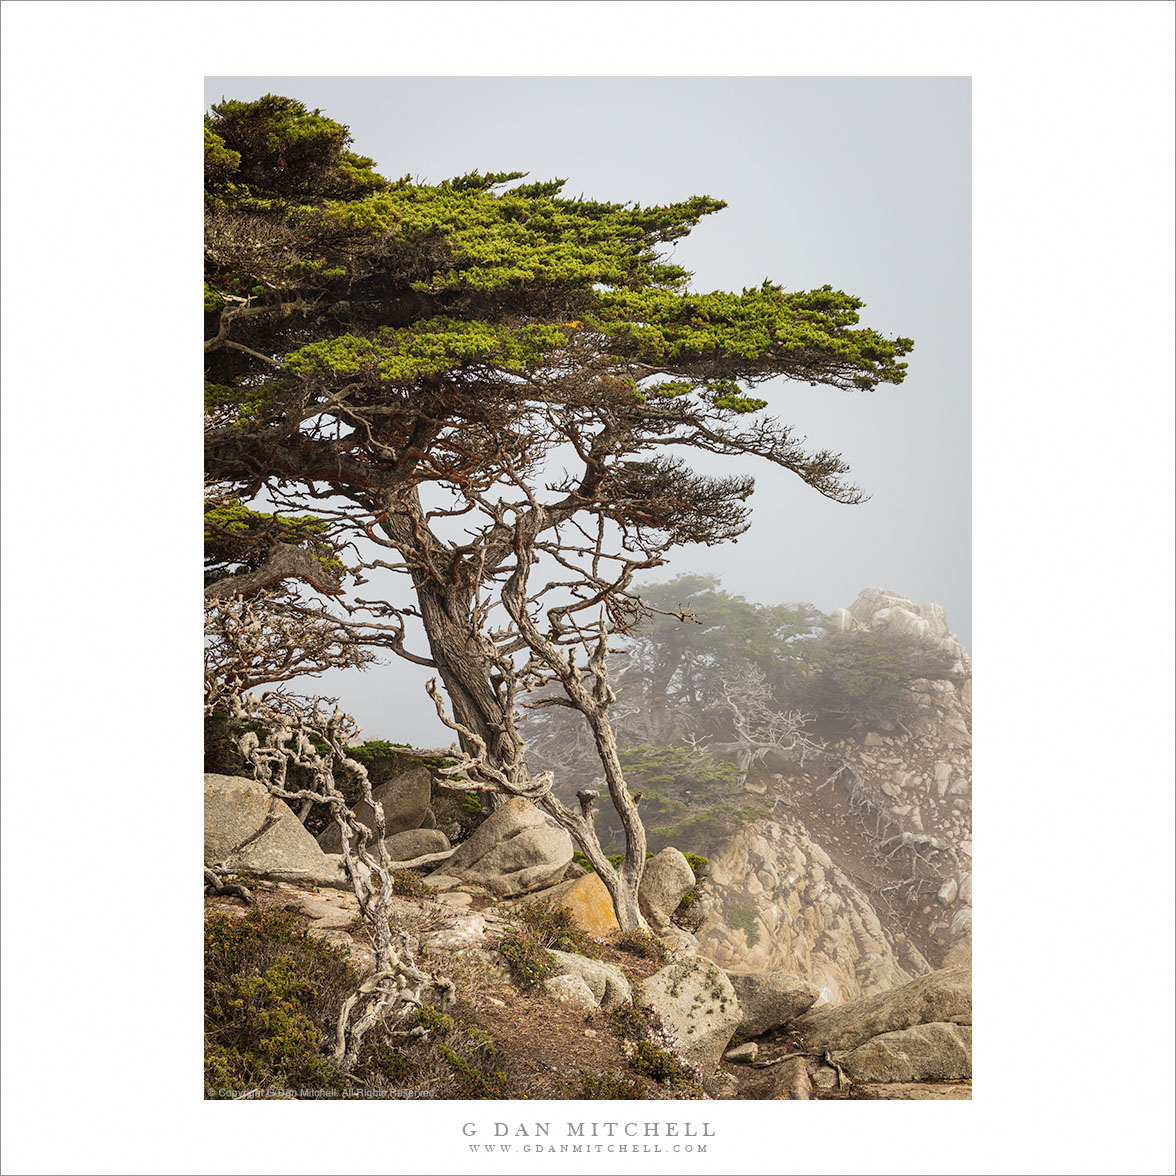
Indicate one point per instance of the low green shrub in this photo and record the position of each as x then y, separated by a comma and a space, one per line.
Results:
434, 1022
471, 1081
272, 999
631, 1021
459, 813
556, 929
662, 1066
529, 960
611, 1086
649, 1046
410, 885
642, 943
271, 995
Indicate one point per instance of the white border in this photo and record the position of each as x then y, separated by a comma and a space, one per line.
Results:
1073, 379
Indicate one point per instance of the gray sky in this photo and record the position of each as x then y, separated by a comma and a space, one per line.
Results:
861, 183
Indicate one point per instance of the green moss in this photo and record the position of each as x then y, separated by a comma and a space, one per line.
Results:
742, 919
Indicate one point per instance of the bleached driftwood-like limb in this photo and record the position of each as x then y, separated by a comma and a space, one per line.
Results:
475, 773
266, 638
761, 729
294, 725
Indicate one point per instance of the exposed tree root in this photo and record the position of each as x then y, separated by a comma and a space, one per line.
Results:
214, 886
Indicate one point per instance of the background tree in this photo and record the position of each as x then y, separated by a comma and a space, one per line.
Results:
738, 685
864, 681
493, 382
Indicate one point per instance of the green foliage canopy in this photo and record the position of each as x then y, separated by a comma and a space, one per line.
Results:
446, 313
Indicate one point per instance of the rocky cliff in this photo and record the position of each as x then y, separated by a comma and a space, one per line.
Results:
862, 877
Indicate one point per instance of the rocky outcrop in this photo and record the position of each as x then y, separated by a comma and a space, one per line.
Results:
775, 901
247, 828
861, 878
605, 982
913, 781
926, 624
666, 879
415, 843
944, 996
457, 933
586, 899
514, 851
937, 1052
770, 999
404, 799
698, 1004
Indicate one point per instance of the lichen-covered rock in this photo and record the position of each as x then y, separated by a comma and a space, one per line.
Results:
698, 1004
936, 1052
404, 799
678, 940
666, 879
414, 843
775, 901
770, 999
606, 982
247, 828
587, 900
945, 995
570, 990
514, 851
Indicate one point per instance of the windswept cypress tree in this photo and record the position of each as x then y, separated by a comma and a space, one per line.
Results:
481, 375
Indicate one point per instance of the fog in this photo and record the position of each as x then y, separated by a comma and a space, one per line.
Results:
860, 183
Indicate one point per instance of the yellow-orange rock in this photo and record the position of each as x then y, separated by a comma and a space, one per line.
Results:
587, 900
